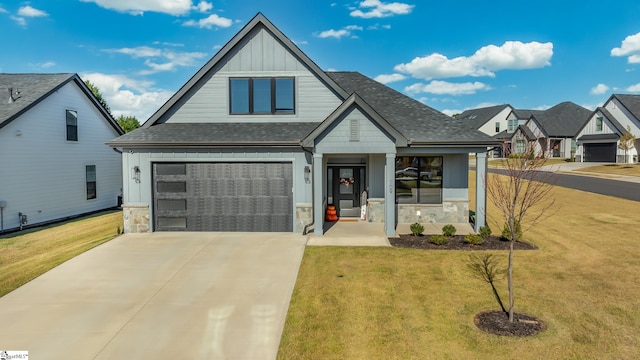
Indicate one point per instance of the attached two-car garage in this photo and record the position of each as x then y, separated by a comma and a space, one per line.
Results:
223, 197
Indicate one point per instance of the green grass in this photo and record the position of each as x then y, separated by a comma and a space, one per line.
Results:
550, 161
390, 303
618, 169
30, 253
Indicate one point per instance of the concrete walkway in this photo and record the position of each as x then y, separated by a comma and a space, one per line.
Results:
159, 296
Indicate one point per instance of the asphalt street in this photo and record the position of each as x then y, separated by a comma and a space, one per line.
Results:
621, 189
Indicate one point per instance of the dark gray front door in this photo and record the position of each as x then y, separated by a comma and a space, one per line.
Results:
223, 197
347, 187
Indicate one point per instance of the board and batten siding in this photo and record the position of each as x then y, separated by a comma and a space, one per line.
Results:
354, 133
43, 175
258, 55
590, 127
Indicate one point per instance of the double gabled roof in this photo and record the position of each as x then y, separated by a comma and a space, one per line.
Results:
563, 120
21, 92
409, 121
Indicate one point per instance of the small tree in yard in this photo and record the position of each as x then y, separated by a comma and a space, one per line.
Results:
627, 142
521, 193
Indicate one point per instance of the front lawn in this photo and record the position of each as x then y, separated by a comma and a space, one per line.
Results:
618, 169
29, 254
391, 303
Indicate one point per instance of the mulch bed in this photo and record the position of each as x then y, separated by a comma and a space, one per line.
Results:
456, 242
497, 322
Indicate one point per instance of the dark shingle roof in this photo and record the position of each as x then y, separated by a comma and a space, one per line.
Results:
415, 120
480, 116
564, 120
631, 102
32, 88
598, 137
526, 114
201, 134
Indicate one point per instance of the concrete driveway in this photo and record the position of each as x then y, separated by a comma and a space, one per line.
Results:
159, 296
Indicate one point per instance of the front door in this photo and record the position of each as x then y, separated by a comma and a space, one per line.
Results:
346, 187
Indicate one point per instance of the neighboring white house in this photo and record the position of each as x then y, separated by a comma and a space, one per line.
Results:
262, 139
54, 163
553, 130
599, 138
493, 121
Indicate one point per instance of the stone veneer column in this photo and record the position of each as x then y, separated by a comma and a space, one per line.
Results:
135, 218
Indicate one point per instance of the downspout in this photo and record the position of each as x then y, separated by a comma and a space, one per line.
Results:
305, 230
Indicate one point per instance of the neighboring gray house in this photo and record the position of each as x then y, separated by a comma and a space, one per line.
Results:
553, 130
262, 139
54, 163
599, 137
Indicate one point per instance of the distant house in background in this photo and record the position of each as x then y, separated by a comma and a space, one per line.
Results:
553, 130
599, 138
492, 121
54, 163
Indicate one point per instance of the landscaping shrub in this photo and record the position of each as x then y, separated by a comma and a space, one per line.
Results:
473, 239
438, 239
448, 230
416, 229
485, 232
506, 235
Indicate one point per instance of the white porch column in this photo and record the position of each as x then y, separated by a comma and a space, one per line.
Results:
481, 191
390, 195
318, 185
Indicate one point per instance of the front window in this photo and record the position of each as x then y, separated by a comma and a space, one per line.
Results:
72, 125
598, 124
91, 181
262, 95
520, 146
419, 179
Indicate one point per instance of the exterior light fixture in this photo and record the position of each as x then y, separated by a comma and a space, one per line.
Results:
307, 174
135, 173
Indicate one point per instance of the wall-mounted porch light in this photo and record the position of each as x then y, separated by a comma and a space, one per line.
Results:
135, 173
307, 174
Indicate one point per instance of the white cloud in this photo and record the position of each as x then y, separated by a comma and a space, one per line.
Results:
334, 33
599, 89
138, 7
446, 88
345, 31
28, 11
160, 59
204, 6
389, 78
3, 10
379, 9
127, 96
633, 88
630, 47
20, 20
451, 112
209, 22
485, 61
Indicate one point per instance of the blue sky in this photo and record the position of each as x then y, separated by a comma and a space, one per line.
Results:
452, 56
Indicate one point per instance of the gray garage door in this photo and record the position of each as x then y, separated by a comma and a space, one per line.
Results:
223, 197
600, 152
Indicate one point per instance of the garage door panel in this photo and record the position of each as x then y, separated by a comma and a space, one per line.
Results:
600, 152
223, 197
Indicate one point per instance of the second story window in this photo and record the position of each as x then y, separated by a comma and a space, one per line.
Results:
497, 126
72, 125
598, 124
262, 95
